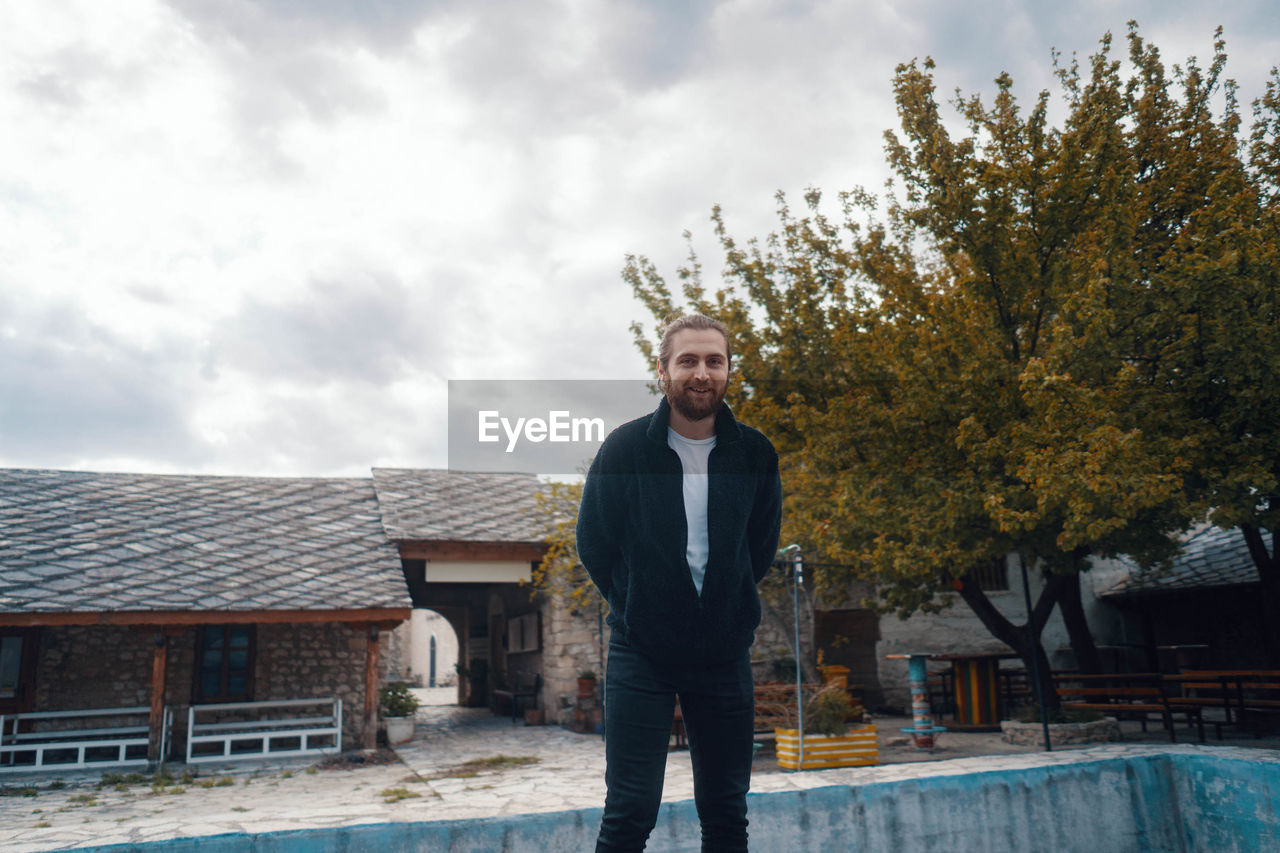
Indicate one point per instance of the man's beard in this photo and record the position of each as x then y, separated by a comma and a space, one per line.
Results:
693, 406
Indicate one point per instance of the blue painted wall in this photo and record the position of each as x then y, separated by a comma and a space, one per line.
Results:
1166, 802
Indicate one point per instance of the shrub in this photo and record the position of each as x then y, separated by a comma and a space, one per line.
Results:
829, 712
397, 701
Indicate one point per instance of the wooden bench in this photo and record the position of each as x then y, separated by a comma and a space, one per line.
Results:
1248, 698
63, 740
1138, 696
264, 729
528, 686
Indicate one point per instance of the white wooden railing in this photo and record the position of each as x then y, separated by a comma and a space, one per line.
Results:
263, 729
61, 740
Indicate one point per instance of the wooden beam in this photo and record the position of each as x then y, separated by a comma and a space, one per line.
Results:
204, 617
371, 689
440, 549
159, 659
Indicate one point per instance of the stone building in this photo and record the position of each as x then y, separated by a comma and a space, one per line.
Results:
468, 543
120, 590
171, 592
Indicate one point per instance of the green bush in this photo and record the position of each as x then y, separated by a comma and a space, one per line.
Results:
397, 701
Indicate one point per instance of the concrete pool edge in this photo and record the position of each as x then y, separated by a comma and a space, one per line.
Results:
1175, 798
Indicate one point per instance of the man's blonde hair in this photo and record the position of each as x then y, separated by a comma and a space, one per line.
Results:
698, 322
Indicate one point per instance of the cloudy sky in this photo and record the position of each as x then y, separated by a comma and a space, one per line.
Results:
259, 236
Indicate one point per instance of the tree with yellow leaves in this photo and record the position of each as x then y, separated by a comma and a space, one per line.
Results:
999, 362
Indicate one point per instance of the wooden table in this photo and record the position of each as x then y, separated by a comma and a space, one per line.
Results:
1246, 696
1126, 695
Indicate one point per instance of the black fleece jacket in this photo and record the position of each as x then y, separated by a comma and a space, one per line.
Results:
632, 537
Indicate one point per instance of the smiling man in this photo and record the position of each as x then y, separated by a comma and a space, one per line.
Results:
679, 522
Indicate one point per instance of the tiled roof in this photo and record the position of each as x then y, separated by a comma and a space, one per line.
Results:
76, 541
422, 504
1211, 557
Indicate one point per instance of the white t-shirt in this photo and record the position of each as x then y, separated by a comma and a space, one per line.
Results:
693, 454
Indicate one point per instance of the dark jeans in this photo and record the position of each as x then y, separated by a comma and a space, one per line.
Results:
719, 719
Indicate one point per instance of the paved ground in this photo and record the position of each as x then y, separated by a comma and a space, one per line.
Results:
462, 763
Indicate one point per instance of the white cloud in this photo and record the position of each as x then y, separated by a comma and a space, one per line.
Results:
257, 236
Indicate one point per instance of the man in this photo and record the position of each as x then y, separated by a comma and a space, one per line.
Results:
679, 522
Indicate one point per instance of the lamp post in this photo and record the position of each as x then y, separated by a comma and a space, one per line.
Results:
1034, 642
797, 580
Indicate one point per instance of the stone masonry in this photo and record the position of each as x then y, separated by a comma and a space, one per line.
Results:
573, 644
81, 667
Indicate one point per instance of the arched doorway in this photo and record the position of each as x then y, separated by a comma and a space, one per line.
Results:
433, 648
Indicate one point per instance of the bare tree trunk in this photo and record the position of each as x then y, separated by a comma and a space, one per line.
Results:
1023, 639
1082, 645
1268, 566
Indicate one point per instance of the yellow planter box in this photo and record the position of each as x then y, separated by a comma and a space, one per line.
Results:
854, 749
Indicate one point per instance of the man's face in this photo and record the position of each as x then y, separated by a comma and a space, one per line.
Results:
697, 374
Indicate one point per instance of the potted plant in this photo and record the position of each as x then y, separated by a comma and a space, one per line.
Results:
398, 708
829, 738
587, 684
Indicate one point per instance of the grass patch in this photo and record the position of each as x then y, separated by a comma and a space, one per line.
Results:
501, 762
312, 770
19, 791
57, 785
395, 795
82, 800
492, 764
239, 809
286, 774
41, 824
220, 782
122, 781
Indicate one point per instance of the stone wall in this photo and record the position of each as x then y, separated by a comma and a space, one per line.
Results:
105, 666
572, 643
395, 655
98, 667
315, 659
771, 653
